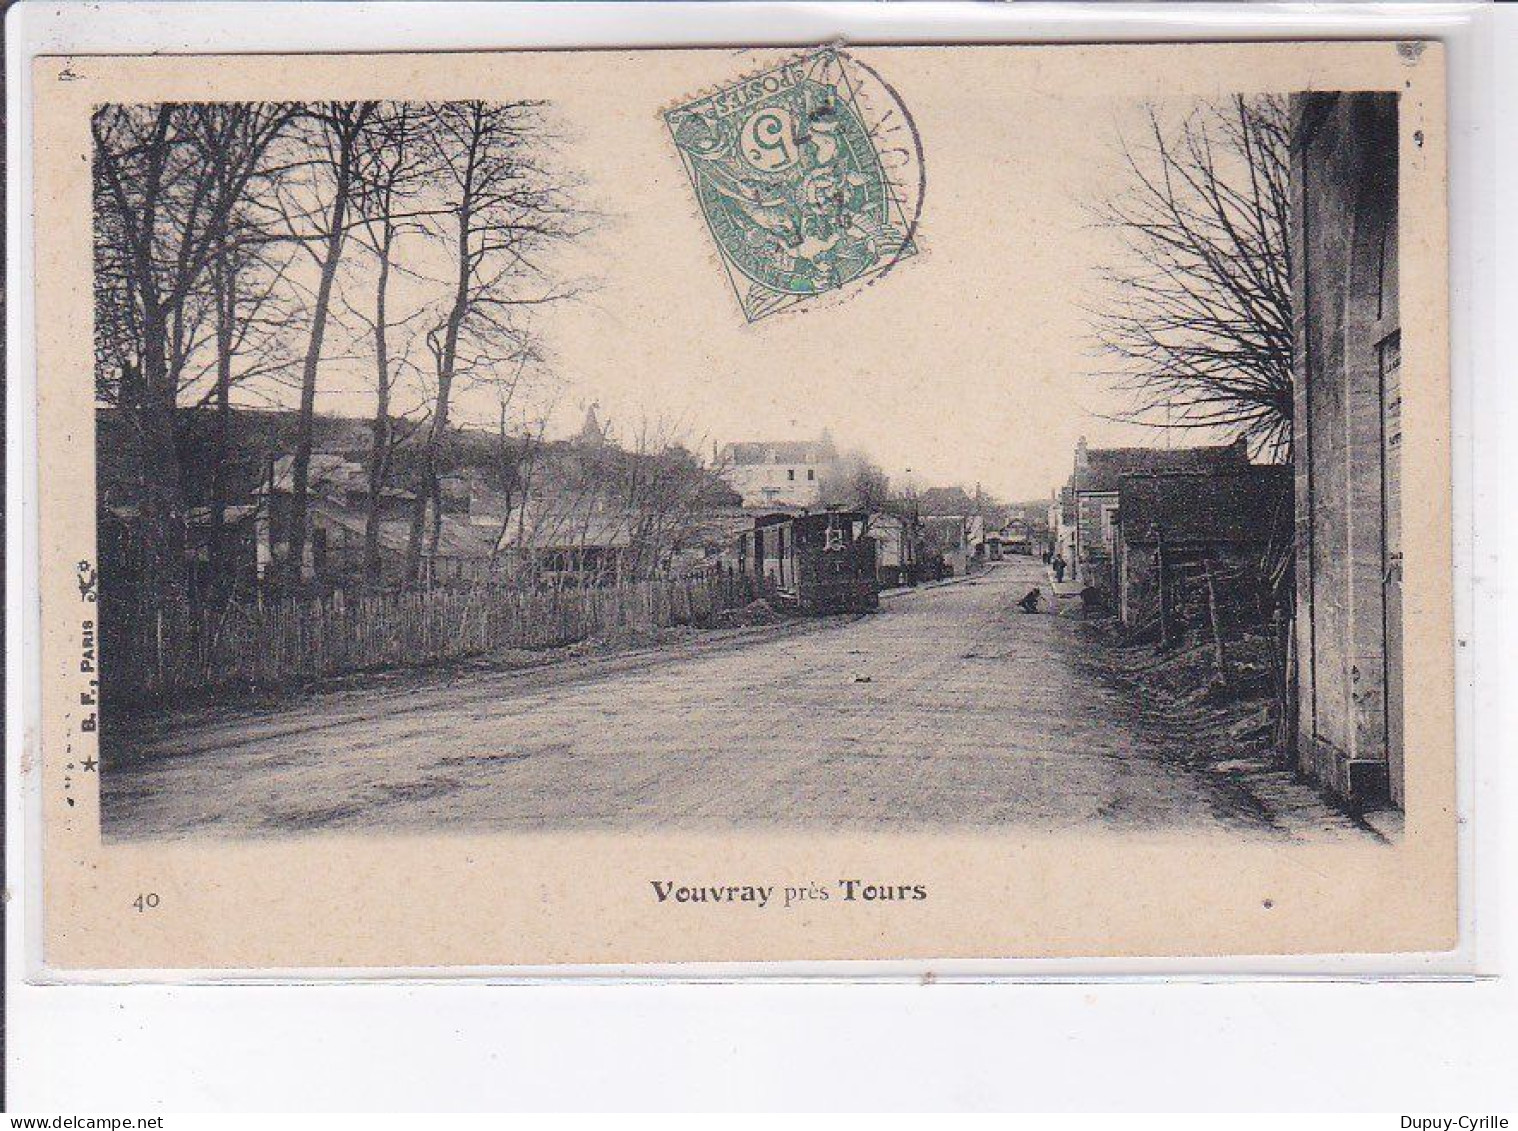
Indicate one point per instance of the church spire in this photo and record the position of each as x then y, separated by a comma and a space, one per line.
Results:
591, 431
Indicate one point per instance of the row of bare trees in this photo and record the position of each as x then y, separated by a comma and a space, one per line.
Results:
268, 252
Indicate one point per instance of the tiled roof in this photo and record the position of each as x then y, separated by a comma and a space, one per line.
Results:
778, 451
325, 470
1105, 466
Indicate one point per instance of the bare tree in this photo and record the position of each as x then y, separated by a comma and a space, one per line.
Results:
1198, 317
118, 333
319, 221
517, 450
222, 245
1200, 322
251, 321
666, 495
167, 180
855, 481
395, 170
501, 209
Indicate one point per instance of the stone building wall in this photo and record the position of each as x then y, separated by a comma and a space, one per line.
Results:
1094, 567
1343, 240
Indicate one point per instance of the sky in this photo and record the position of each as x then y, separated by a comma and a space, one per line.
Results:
970, 364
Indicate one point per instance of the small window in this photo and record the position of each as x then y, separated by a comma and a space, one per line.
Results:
790, 473
811, 473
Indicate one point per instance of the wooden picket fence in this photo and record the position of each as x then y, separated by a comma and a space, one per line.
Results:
185, 649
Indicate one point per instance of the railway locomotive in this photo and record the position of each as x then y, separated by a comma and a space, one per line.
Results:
822, 562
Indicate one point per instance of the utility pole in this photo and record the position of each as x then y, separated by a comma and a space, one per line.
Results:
916, 538
1159, 553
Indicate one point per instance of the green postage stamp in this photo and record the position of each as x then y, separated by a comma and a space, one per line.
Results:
808, 175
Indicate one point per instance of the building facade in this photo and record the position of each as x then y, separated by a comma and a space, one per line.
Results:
1061, 520
779, 472
1347, 444
1189, 536
895, 549
337, 518
1092, 498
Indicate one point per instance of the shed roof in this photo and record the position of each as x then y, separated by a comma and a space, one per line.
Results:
1104, 467
456, 539
325, 470
1244, 505
570, 528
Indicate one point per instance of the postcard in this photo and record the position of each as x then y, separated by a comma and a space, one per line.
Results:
743, 505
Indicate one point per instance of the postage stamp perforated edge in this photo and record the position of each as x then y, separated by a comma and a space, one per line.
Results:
908, 247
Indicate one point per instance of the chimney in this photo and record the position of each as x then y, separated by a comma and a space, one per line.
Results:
1081, 459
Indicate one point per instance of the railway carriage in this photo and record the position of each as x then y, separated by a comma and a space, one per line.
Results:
820, 562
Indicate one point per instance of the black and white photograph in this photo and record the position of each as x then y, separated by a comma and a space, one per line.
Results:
818, 557
375, 553
717, 471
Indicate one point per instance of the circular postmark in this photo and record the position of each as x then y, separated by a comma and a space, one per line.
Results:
809, 175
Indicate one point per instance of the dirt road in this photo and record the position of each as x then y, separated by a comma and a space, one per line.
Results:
947, 707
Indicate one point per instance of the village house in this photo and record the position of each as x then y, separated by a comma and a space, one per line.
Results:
567, 542
771, 473
595, 513
1023, 531
120, 539
594, 510
1093, 498
895, 549
975, 538
120, 533
1180, 533
255, 507
338, 517
711, 540
1347, 444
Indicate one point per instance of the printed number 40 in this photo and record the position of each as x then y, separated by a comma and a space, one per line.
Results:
146, 901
